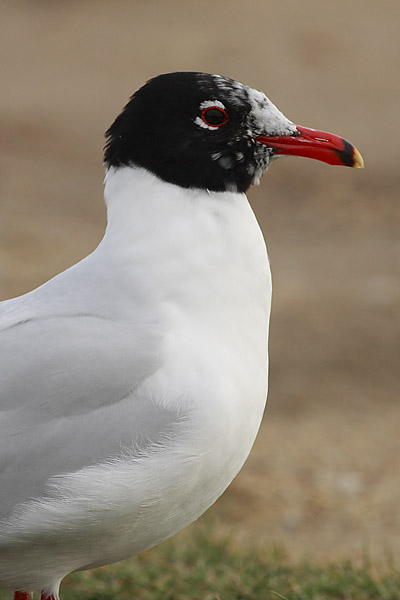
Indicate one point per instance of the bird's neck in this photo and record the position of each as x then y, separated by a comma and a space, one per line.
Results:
141, 206
180, 242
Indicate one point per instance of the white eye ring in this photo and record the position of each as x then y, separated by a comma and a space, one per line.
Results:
217, 111
207, 104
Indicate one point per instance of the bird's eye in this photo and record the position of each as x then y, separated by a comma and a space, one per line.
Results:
214, 116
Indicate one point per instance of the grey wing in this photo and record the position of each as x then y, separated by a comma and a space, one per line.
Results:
68, 397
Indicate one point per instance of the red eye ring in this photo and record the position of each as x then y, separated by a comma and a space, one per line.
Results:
219, 109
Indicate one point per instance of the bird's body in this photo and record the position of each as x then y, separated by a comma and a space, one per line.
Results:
171, 392
134, 383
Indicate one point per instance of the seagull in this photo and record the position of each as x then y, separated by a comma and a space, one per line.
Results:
133, 384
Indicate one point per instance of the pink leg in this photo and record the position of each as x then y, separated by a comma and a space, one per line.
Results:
46, 597
22, 596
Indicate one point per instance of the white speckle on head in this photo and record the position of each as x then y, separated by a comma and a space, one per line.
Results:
239, 156
199, 121
208, 104
215, 155
231, 187
266, 117
226, 162
257, 176
211, 103
234, 90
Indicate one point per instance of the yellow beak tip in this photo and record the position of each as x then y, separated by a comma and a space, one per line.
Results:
358, 162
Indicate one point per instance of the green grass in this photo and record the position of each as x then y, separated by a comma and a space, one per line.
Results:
199, 565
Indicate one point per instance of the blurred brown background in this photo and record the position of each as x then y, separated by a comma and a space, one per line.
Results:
323, 478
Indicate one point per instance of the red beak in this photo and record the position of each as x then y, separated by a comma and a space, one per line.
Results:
320, 145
